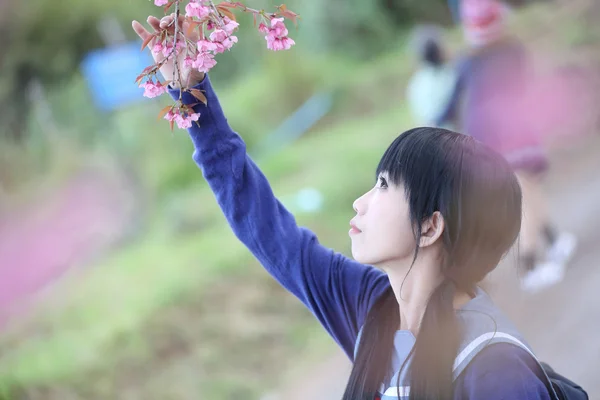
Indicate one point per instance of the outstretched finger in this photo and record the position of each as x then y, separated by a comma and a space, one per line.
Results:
154, 23
140, 30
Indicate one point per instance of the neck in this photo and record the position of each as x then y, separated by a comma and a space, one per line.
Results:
413, 287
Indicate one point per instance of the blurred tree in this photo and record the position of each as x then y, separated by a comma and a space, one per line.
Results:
47, 39
365, 28
407, 12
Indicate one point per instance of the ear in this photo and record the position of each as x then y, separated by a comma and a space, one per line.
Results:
432, 229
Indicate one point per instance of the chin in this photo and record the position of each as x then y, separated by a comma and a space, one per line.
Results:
368, 255
364, 258
358, 256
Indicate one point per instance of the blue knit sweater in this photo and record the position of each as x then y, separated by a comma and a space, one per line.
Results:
337, 290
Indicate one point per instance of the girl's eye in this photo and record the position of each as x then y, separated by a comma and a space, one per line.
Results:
382, 182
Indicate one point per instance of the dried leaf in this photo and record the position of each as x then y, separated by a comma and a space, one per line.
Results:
226, 12
199, 95
147, 41
169, 4
228, 4
145, 72
191, 26
291, 16
164, 112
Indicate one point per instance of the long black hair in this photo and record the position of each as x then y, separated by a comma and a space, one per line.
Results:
479, 198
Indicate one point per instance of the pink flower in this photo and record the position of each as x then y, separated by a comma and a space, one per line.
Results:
278, 28
185, 122
157, 48
167, 47
205, 59
160, 3
228, 43
204, 62
222, 40
230, 26
182, 121
188, 62
218, 35
195, 9
152, 89
276, 35
170, 116
210, 26
277, 44
205, 46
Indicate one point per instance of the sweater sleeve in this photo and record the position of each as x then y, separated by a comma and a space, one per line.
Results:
337, 290
502, 372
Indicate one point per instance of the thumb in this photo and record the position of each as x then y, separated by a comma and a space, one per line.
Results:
167, 22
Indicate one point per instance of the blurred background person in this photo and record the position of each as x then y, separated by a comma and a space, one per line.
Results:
495, 79
430, 87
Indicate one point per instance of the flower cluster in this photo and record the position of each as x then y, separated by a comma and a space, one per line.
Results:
277, 35
208, 29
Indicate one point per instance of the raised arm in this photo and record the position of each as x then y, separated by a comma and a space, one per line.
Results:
337, 290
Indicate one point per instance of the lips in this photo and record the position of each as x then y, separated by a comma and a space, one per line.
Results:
354, 229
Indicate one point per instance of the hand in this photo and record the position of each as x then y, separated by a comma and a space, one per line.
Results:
189, 75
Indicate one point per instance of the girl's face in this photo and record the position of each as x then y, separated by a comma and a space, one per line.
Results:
381, 231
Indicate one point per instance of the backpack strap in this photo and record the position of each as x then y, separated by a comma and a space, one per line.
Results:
464, 358
357, 343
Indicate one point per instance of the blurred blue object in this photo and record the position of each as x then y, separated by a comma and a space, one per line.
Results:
297, 124
455, 10
110, 73
307, 200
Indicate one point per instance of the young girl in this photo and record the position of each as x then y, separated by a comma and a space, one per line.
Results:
407, 309
492, 102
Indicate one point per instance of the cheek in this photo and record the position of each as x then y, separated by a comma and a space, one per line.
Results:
389, 237
397, 239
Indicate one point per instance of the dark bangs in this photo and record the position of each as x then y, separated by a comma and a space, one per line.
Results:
423, 160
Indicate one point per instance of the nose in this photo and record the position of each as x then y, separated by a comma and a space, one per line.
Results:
360, 205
